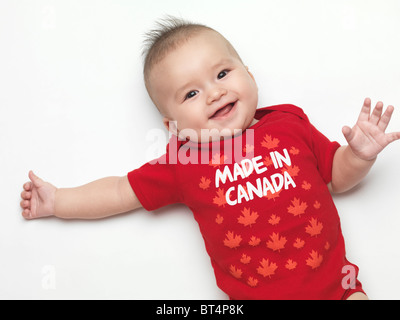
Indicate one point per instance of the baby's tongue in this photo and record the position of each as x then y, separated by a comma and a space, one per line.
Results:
223, 111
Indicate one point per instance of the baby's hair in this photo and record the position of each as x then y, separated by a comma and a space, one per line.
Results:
170, 32
167, 35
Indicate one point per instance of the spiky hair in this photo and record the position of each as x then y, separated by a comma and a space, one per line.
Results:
167, 35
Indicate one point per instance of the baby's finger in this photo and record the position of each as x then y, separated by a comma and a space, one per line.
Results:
26, 213
348, 133
387, 115
25, 204
365, 111
26, 195
36, 181
391, 137
376, 113
28, 186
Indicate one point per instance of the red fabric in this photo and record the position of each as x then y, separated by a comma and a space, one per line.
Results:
269, 223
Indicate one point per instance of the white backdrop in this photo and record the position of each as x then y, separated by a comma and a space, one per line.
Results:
73, 108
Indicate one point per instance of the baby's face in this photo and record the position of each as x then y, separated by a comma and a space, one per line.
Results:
203, 85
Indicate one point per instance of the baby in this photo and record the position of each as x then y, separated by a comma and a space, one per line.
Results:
258, 181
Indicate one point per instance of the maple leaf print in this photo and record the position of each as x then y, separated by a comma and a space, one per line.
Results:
276, 242
266, 269
317, 205
314, 228
217, 160
232, 241
237, 273
247, 218
315, 260
245, 259
204, 183
297, 208
248, 148
219, 219
306, 185
252, 282
269, 142
294, 151
220, 199
298, 244
290, 264
267, 161
293, 170
254, 241
272, 196
327, 246
274, 220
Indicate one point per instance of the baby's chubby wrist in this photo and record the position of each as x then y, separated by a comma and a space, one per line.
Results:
357, 157
54, 211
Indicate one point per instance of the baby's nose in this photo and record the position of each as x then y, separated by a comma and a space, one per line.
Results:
216, 94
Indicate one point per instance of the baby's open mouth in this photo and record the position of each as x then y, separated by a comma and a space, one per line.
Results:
223, 111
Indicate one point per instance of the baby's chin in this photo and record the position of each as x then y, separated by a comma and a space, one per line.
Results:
210, 135
228, 134
217, 131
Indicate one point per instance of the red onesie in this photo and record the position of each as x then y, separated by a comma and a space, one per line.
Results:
266, 215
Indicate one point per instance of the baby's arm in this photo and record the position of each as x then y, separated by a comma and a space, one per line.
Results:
366, 140
98, 199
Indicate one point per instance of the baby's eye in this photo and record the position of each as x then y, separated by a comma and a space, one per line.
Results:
190, 94
222, 74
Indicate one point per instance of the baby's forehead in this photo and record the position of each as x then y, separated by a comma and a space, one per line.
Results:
209, 39
194, 58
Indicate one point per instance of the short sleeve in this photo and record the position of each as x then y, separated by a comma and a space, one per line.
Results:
324, 151
155, 184
322, 148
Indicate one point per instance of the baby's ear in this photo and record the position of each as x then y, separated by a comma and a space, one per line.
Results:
171, 125
251, 75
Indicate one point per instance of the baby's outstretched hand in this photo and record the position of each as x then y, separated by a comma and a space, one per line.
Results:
368, 138
38, 198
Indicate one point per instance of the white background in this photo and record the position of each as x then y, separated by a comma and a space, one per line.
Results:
73, 108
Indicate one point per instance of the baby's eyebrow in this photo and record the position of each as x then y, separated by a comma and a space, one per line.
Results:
182, 89
222, 63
